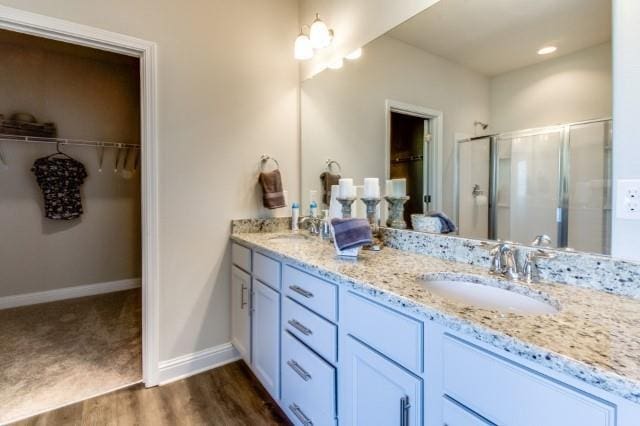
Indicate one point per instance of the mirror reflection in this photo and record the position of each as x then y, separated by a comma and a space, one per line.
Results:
497, 114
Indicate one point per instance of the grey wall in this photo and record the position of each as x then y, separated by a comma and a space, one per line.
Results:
343, 111
86, 98
626, 125
570, 88
228, 88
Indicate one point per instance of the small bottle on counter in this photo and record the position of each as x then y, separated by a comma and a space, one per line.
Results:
313, 209
295, 216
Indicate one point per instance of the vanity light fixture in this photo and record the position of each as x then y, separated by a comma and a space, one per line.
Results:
336, 64
355, 54
320, 34
302, 48
546, 50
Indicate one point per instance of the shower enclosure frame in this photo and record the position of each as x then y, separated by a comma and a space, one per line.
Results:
564, 169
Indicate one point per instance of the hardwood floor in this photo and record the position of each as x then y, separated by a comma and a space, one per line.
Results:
228, 395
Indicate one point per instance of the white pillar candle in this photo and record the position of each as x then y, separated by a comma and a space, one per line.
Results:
347, 190
371, 188
335, 208
399, 187
388, 188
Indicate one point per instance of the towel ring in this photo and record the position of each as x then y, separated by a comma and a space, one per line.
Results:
330, 162
264, 159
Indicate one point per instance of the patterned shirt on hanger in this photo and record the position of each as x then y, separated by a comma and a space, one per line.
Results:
60, 180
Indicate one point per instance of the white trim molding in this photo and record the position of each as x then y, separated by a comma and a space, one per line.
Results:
64, 293
57, 29
196, 362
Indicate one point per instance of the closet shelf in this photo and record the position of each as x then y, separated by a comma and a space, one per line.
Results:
60, 141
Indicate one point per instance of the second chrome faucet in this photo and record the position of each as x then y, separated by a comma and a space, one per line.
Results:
504, 260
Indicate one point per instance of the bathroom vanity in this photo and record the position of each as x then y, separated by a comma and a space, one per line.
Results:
363, 342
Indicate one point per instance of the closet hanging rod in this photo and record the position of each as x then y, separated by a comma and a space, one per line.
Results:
75, 142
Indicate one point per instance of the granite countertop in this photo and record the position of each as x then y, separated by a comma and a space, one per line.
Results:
595, 337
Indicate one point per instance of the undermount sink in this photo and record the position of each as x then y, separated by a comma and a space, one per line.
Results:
487, 293
289, 237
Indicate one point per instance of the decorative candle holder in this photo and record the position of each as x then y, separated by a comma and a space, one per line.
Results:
396, 212
371, 204
346, 206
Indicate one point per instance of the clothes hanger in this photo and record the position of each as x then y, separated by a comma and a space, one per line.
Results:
59, 152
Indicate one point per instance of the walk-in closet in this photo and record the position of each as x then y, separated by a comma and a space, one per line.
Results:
70, 223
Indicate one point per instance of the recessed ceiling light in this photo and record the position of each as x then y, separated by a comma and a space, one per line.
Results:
355, 54
546, 50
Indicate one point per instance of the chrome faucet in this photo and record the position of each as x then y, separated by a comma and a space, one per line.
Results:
530, 271
503, 261
314, 224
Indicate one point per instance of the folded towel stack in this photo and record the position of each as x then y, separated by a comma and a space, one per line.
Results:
272, 193
328, 180
351, 233
447, 224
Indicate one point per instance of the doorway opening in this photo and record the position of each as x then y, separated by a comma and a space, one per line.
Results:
414, 153
81, 305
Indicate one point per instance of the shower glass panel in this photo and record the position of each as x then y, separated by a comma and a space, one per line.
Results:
474, 159
527, 184
589, 212
554, 180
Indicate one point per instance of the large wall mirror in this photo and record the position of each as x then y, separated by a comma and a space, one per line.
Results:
498, 113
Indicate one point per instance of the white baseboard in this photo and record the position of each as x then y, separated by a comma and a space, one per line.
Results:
196, 362
68, 293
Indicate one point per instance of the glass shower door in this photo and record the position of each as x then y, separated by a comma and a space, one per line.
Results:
527, 182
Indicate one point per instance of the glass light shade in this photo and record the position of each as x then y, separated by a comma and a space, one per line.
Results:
335, 64
319, 34
355, 54
302, 48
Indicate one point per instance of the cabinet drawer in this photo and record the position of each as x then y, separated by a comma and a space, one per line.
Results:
308, 384
453, 414
266, 270
241, 257
314, 293
506, 393
316, 332
397, 336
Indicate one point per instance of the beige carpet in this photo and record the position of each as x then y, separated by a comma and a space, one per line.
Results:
57, 353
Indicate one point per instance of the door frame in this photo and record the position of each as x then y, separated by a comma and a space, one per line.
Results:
70, 32
434, 165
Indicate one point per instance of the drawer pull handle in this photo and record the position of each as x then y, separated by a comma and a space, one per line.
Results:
300, 415
298, 369
301, 291
404, 411
301, 328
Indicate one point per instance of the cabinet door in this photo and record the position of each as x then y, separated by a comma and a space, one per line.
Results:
240, 313
265, 348
375, 391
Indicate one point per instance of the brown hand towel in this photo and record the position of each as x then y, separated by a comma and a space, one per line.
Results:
328, 179
272, 194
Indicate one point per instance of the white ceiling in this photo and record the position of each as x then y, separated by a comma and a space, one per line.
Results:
496, 36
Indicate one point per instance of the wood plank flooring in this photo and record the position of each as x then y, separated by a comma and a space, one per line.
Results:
228, 395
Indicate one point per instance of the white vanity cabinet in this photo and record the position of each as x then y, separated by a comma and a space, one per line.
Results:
333, 355
240, 300
376, 391
265, 326
240, 312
